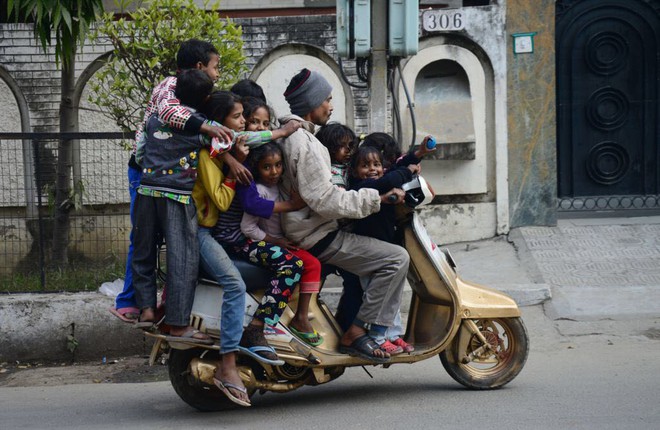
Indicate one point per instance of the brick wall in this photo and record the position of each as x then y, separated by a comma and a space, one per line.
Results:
38, 77
262, 35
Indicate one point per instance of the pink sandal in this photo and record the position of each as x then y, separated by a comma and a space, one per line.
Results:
391, 348
408, 348
128, 315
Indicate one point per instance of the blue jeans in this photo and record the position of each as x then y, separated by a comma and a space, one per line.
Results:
126, 299
156, 218
216, 263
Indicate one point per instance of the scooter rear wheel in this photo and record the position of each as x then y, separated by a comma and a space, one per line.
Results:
481, 368
197, 394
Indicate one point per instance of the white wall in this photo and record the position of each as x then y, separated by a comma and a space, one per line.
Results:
276, 76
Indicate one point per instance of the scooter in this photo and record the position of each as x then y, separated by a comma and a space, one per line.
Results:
477, 331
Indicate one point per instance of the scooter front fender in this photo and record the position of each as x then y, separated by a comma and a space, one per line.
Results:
478, 301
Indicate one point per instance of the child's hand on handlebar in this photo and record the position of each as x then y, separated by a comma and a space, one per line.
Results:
393, 197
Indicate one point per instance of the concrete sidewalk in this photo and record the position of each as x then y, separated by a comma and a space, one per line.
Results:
597, 268
582, 269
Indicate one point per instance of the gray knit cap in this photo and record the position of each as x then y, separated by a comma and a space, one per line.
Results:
308, 94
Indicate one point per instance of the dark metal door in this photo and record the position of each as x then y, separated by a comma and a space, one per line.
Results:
607, 97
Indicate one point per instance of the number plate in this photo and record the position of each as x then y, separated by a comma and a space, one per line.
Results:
443, 20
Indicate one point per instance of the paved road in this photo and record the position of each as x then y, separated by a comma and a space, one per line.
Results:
574, 379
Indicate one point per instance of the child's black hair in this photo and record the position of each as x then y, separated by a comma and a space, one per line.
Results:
258, 154
193, 87
362, 153
385, 144
333, 135
252, 104
248, 88
193, 51
220, 105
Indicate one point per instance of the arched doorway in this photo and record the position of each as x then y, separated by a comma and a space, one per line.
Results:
608, 138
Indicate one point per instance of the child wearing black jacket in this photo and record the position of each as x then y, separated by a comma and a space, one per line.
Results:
379, 164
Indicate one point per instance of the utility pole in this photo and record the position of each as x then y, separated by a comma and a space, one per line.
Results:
378, 75
374, 30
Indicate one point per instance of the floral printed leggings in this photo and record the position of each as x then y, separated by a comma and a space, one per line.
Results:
288, 271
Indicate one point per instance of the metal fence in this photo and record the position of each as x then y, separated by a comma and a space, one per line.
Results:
99, 216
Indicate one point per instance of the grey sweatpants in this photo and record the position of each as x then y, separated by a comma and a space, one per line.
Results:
385, 264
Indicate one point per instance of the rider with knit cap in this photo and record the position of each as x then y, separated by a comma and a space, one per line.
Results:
315, 227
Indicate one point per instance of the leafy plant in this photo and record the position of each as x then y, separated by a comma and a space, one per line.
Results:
145, 43
67, 20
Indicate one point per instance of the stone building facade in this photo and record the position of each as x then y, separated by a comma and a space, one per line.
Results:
494, 107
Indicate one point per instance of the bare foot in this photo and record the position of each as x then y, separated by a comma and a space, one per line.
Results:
302, 325
228, 373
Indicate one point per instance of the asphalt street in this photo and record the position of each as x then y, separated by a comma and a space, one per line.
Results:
579, 375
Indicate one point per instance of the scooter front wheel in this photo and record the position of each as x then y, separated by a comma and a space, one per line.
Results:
493, 364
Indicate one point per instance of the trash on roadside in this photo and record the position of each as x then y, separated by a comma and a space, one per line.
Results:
112, 289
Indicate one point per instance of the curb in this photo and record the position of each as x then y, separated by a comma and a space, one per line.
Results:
42, 326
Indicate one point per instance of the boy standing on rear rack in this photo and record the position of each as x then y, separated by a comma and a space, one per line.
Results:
164, 208
193, 54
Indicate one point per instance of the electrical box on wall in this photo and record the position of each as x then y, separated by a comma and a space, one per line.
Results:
343, 26
403, 23
353, 28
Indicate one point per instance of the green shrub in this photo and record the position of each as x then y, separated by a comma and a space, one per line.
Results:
145, 43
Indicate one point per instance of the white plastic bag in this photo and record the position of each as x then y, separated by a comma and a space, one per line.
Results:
112, 289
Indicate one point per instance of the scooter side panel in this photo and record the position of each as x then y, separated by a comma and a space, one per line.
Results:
207, 308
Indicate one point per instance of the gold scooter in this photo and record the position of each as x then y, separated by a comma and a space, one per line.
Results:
477, 331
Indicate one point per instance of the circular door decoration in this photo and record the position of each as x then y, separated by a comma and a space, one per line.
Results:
607, 163
607, 109
606, 53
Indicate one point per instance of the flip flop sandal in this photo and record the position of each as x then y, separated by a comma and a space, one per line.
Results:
253, 351
188, 337
224, 386
307, 336
364, 347
144, 325
128, 315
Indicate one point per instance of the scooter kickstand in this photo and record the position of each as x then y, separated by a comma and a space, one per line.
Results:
365, 369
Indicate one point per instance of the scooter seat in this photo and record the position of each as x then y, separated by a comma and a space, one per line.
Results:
255, 277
